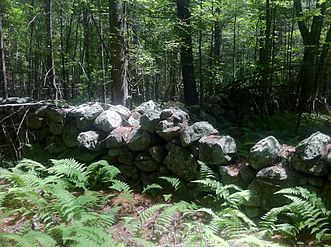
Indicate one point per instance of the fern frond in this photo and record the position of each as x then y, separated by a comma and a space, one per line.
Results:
174, 182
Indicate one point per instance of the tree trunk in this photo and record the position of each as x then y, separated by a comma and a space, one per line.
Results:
64, 82
190, 89
50, 75
119, 64
3, 76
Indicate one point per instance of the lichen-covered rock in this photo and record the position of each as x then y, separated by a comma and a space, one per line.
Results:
34, 122
127, 158
115, 152
158, 153
149, 120
87, 111
195, 132
311, 155
108, 120
140, 140
56, 128
133, 122
265, 153
146, 106
145, 163
118, 137
217, 150
83, 124
54, 145
269, 180
182, 163
56, 115
70, 135
90, 140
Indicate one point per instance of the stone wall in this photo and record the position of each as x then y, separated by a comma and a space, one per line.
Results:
148, 142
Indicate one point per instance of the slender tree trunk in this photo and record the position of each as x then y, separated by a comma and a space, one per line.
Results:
190, 89
200, 56
119, 70
86, 21
64, 81
50, 76
3, 76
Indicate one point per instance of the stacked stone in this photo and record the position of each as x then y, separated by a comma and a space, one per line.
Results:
279, 166
144, 143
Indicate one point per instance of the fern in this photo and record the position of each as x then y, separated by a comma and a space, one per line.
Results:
31, 239
152, 187
174, 182
305, 212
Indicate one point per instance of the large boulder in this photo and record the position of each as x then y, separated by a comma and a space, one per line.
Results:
182, 163
140, 140
175, 115
108, 120
231, 174
118, 137
217, 150
57, 115
265, 153
270, 180
149, 120
83, 124
121, 110
158, 153
311, 155
195, 132
90, 140
87, 111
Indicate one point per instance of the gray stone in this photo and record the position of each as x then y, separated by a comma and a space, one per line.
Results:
265, 153
108, 120
83, 124
145, 163
149, 105
195, 150
325, 194
133, 122
195, 132
149, 120
128, 171
311, 155
118, 137
217, 150
316, 181
174, 115
182, 163
54, 145
56, 128
70, 135
38, 135
87, 111
90, 140
252, 212
127, 158
269, 180
34, 122
121, 110
247, 174
140, 140
158, 153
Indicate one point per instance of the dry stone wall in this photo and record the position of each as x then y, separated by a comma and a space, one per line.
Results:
147, 142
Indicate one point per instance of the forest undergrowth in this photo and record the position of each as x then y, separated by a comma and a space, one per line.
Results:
61, 205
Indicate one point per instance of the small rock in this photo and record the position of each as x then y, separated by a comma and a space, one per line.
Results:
121, 110
56, 115
217, 150
128, 171
195, 132
231, 174
115, 152
140, 140
108, 120
87, 111
127, 158
265, 153
174, 115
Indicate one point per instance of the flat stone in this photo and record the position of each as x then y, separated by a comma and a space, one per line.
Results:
149, 105
140, 140
149, 120
118, 137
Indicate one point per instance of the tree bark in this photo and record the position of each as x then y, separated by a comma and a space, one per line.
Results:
119, 64
50, 75
3, 76
190, 88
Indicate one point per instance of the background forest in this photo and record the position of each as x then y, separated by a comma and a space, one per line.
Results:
136, 50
